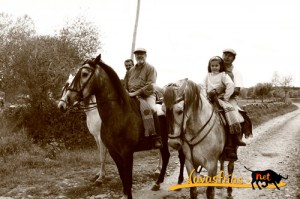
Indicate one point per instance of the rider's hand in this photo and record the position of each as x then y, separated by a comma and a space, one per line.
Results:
236, 91
211, 95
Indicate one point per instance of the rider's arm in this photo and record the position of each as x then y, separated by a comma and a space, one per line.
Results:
229, 87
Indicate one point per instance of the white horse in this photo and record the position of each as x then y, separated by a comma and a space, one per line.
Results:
93, 122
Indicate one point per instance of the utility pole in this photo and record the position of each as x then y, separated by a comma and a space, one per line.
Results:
135, 27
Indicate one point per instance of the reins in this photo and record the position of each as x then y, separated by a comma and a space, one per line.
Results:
200, 136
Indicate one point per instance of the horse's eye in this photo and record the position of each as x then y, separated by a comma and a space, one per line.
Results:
84, 75
179, 112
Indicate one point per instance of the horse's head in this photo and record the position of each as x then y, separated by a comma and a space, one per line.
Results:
63, 103
80, 86
181, 99
174, 103
95, 77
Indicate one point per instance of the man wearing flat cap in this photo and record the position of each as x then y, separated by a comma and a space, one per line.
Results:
139, 82
229, 56
141, 77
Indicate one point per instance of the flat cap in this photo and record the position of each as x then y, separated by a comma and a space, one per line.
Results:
229, 50
140, 50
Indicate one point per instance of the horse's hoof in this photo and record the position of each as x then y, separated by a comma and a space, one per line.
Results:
179, 183
229, 197
94, 178
156, 172
155, 187
98, 183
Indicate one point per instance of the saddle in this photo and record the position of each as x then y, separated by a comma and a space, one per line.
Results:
246, 131
151, 132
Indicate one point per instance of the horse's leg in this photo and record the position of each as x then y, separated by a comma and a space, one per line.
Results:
189, 167
222, 171
124, 165
181, 161
165, 154
127, 169
164, 151
103, 153
159, 165
99, 149
212, 171
230, 172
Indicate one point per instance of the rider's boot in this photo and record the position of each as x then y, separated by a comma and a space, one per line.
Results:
236, 131
238, 140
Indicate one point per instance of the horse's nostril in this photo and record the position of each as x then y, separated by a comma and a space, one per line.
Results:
62, 108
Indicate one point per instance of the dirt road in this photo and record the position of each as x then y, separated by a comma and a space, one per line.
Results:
275, 146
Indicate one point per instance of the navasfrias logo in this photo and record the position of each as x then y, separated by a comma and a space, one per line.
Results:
266, 179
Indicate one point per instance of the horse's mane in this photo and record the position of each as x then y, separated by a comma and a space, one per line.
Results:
191, 95
115, 80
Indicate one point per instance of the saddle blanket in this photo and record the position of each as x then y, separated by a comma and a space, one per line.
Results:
159, 110
147, 117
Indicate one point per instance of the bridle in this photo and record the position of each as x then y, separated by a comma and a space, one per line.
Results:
79, 90
199, 135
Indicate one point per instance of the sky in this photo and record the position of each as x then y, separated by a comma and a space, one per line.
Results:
182, 35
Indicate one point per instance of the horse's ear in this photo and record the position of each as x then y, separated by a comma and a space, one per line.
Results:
182, 87
71, 77
98, 58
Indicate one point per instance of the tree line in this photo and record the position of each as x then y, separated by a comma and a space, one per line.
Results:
279, 89
34, 68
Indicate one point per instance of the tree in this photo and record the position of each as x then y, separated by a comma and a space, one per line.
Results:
14, 32
37, 66
82, 35
262, 90
282, 82
250, 93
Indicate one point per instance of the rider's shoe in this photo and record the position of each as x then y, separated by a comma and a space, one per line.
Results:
239, 141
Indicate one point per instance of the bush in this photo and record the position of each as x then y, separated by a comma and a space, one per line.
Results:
262, 112
47, 124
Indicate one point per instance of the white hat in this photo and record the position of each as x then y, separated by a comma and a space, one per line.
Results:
229, 50
140, 50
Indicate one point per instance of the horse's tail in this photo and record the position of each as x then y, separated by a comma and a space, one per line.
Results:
248, 169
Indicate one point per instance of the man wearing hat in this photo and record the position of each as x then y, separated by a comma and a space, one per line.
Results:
139, 83
229, 56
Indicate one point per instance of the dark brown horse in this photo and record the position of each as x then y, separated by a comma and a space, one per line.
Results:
122, 126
